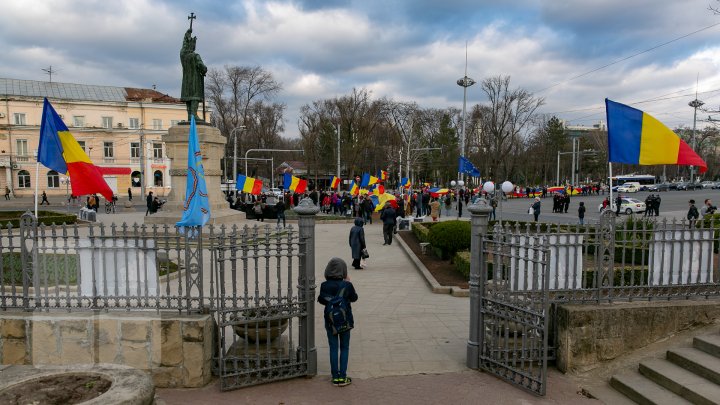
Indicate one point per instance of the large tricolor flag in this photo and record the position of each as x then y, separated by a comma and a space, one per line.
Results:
249, 184
59, 151
196, 208
405, 182
635, 137
334, 182
294, 184
368, 180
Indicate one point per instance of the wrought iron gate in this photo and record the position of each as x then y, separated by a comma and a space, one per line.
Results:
513, 310
262, 312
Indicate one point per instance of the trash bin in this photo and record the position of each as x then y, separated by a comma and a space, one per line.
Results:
404, 224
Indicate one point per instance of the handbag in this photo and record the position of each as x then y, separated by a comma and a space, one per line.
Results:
530, 211
364, 254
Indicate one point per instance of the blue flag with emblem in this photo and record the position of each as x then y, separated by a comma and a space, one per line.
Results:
196, 208
465, 166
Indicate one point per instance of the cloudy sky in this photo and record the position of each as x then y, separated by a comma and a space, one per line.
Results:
402, 49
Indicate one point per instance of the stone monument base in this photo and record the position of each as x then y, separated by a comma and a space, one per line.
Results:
224, 216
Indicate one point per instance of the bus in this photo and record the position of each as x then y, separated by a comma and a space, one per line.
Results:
645, 180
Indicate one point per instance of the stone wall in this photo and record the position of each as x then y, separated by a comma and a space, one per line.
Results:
176, 350
591, 334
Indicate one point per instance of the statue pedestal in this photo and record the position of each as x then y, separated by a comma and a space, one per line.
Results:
212, 147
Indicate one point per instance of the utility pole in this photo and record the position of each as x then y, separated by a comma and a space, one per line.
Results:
337, 128
465, 82
694, 104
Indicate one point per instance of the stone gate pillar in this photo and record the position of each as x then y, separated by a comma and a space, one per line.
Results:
480, 212
306, 211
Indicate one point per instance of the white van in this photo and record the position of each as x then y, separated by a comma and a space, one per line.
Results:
629, 187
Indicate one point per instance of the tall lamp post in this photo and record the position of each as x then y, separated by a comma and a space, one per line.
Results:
695, 104
66, 182
464, 82
234, 130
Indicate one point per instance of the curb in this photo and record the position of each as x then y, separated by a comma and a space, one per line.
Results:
435, 287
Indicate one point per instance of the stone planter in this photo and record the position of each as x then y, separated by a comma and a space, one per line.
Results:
259, 331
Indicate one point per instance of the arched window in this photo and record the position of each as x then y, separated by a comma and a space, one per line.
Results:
53, 179
23, 179
158, 178
135, 179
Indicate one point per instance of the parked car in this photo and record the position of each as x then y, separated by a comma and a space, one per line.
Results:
716, 185
659, 187
276, 192
629, 187
707, 184
688, 186
628, 206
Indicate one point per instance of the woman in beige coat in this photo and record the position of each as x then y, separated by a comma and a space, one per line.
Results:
434, 209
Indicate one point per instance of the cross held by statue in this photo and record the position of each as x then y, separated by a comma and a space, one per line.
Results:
191, 17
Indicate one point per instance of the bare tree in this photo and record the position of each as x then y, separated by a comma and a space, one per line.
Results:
504, 121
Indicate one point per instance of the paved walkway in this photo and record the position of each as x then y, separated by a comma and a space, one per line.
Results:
409, 345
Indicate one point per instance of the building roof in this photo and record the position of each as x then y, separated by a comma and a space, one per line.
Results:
81, 92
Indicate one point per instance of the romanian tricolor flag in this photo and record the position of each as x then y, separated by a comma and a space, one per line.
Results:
368, 180
377, 189
354, 189
382, 175
294, 184
59, 151
334, 182
405, 182
635, 137
249, 185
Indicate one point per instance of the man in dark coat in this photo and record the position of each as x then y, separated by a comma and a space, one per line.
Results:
387, 216
148, 201
357, 242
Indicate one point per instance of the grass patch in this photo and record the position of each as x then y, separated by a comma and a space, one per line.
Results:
44, 217
52, 266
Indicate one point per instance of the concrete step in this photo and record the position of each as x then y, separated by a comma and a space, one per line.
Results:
683, 382
703, 364
606, 394
645, 392
710, 344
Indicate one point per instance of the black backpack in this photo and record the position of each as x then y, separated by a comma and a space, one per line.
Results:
337, 312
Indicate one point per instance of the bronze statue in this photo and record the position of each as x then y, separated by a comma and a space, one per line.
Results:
194, 70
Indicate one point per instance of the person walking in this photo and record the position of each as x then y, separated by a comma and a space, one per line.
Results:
692, 214
708, 208
656, 204
493, 204
536, 208
581, 212
258, 211
129, 194
7, 193
280, 210
357, 242
566, 201
618, 205
44, 199
337, 283
387, 216
148, 201
434, 209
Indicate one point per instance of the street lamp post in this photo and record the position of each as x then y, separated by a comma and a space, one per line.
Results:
464, 82
694, 104
66, 181
234, 130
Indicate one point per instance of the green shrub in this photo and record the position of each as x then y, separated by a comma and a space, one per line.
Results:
450, 237
462, 263
421, 231
45, 217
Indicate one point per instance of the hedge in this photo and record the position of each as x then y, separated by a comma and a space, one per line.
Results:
462, 263
45, 217
449, 237
421, 231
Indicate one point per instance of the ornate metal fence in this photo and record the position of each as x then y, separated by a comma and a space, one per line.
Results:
518, 271
259, 283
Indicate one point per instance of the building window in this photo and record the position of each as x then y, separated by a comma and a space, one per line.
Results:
107, 122
173, 122
157, 151
158, 178
134, 123
135, 179
19, 119
23, 179
82, 145
78, 121
108, 150
53, 179
157, 124
21, 150
135, 149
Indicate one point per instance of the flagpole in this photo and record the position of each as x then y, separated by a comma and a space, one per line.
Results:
611, 190
37, 180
